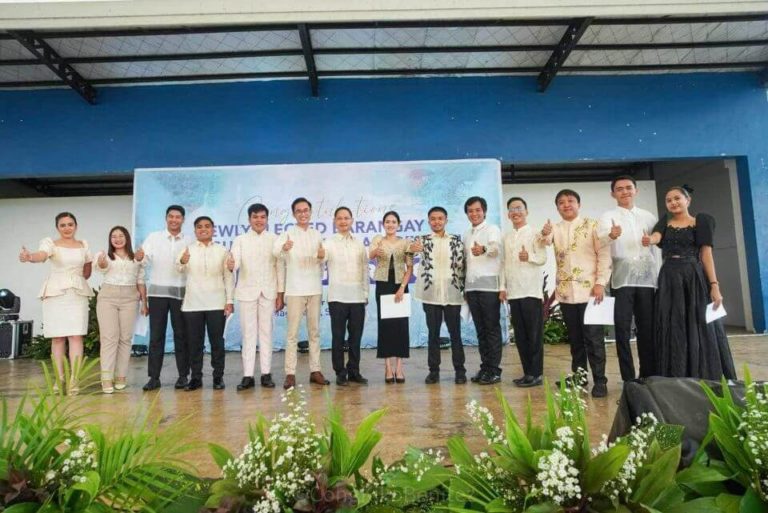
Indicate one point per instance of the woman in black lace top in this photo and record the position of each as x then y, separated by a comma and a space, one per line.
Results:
685, 345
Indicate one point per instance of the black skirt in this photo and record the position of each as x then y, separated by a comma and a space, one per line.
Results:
394, 339
685, 345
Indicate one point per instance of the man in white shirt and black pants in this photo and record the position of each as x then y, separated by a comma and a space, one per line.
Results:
482, 244
348, 287
165, 294
259, 293
522, 284
208, 301
635, 272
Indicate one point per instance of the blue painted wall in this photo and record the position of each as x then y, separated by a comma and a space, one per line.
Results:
631, 117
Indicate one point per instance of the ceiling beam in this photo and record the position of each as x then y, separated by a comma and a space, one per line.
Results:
309, 58
240, 54
48, 56
522, 70
567, 43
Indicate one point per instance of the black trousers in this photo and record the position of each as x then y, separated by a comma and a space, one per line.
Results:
587, 341
346, 317
198, 323
637, 302
452, 315
159, 307
527, 320
485, 309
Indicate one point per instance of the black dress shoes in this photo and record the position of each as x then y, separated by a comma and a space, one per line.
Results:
599, 390
341, 380
194, 384
460, 379
246, 383
358, 378
152, 384
530, 381
477, 377
266, 381
519, 380
218, 383
181, 383
489, 379
432, 378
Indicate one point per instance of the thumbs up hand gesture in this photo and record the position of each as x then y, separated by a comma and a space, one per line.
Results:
102, 260
320, 251
477, 249
139, 255
615, 230
185, 256
378, 251
24, 254
646, 240
416, 246
288, 244
231, 262
523, 255
547, 230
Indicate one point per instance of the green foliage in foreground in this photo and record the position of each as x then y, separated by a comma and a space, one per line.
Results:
52, 460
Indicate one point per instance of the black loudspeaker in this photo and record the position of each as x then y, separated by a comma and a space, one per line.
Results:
679, 401
14, 335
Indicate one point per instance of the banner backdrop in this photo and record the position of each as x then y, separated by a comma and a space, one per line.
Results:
369, 189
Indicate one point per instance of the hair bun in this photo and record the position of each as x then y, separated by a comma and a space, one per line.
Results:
687, 188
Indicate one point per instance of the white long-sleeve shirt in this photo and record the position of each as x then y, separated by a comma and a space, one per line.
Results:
260, 271
523, 279
483, 271
160, 252
210, 285
303, 270
347, 260
633, 264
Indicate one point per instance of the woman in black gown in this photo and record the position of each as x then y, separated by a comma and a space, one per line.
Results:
685, 345
394, 266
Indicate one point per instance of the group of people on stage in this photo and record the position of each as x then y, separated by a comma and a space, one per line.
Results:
193, 282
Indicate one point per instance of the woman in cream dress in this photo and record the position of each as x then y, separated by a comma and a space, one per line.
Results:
64, 293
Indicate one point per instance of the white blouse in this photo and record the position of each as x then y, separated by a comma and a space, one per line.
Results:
121, 271
66, 269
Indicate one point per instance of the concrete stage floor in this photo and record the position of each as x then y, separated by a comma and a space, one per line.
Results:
420, 415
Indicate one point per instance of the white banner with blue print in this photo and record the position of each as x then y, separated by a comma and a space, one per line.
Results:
369, 189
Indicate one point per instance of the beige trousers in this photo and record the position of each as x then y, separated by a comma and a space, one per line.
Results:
256, 326
116, 309
297, 306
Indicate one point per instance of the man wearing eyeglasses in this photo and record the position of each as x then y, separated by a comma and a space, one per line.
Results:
301, 247
521, 286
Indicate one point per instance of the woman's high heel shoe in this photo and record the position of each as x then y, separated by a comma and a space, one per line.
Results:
387, 380
400, 380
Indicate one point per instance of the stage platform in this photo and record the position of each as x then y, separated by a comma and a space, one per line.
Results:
421, 415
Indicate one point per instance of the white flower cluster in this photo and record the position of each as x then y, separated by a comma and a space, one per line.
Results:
419, 466
482, 418
284, 465
500, 480
79, 458
754, 433
638, 440
558, 477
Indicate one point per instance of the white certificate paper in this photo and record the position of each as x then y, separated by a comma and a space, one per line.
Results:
141, 327
392, 310
713, 315
601, 314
